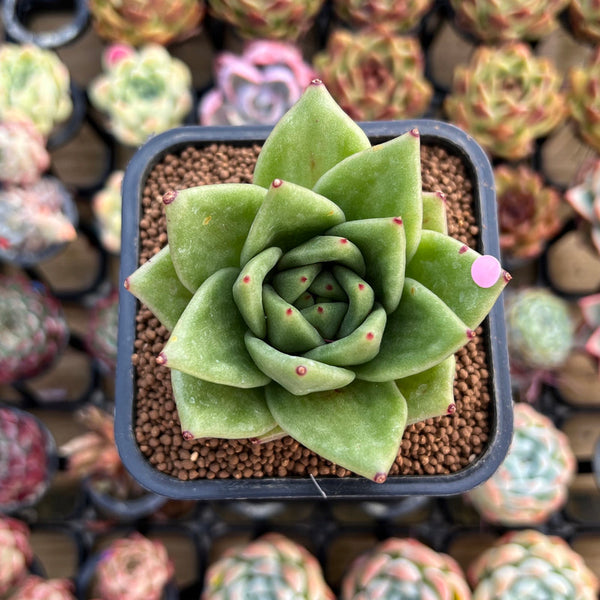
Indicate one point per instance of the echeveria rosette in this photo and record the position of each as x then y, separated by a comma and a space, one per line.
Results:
529, 564
312, 302
533, 480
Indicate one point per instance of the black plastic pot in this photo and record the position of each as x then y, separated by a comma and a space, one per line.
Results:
433, 133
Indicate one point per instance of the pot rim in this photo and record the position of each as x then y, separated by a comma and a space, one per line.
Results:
432, 132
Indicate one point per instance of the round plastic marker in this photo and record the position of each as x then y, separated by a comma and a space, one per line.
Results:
486, 271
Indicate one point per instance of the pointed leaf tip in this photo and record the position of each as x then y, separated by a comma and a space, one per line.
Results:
169, 197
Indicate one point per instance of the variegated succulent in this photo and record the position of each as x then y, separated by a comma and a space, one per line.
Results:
32, 328
15, 553
584, 18
506, 97
528, 211
143, 92
133, 568
139, 22
268, 19
493, 21
38, 588
313, 302
401, 15
106, 205
34, 85
375, 74
23, 154
36, 220
530, 564
257, 87
533, 481
403, 569
270, 567
583, 99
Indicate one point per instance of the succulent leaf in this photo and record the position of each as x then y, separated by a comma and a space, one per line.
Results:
208, 340
247, 289
289, 215
209, 221
358, 426
298, 375
385, 261
168, 301
326, 317
434, 212
292, 283
412, 341
382, 181
315, 128
360, 299
430, 393
444, 265
213, 410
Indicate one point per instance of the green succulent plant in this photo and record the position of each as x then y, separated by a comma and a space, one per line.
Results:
312, 302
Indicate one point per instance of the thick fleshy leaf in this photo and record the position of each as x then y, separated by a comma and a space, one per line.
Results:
212, 410
168, 300
419, 334
326, 286
383, 246
208, 340
207, 226
443, 265
358, 427
323, 248
287, 329
358, 347
360, 299
292, 283
430, 393
590, 309
296, 374
434, 212
247, 289
274, 434
383, 181
326, 317
304, 301
313, 136
289, 216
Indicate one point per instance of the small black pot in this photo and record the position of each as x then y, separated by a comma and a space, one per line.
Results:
432, 132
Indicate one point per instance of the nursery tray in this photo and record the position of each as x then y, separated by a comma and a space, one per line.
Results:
433, 133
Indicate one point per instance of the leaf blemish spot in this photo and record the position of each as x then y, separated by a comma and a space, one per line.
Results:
207, 220
343, 241
463, 249
301, 370
451, 409
329, 287
370, 335
288, 312
319, 309
277, 183
303, 279
398, 220
246, 279
361, 286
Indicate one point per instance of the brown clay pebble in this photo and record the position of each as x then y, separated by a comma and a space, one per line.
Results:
437, 446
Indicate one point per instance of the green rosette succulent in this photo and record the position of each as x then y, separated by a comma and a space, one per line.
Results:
312, 302
506, 97
529, 564
34, 86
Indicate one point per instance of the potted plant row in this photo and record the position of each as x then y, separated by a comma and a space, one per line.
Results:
303, 322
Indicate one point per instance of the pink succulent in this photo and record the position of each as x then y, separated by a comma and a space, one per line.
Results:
15, 553
36, 588
256, 87
23, 154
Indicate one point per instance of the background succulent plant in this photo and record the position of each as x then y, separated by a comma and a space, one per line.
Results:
35, 220
528, 211
272, 566
502, 20
32, 328
268, 19
292, 320
533, 481
24, 459
375, 74
106, 205
400, 15
506, 97
143, 92
583, 99
23, 154
584, 18
101, 338
404, 568
37, 588
529, 560
139, 22
34, 85
15, 553
257, 87
134, 567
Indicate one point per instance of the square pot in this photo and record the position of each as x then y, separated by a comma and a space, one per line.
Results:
433, 133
